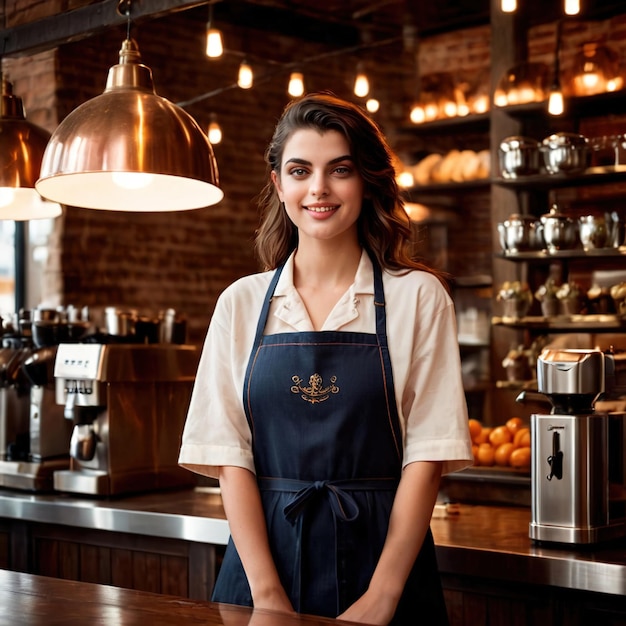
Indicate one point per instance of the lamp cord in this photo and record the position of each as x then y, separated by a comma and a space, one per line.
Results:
123, 9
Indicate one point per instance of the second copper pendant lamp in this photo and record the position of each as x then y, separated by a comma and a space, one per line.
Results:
129, 149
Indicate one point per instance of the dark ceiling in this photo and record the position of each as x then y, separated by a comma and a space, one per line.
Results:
340, 22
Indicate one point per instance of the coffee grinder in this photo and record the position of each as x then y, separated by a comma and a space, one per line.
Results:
34, 436
578, 474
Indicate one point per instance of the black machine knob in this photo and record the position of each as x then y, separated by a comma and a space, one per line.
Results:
555, 460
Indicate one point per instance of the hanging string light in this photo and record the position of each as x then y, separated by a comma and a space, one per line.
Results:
215, 130
508, 6
214, 45
245, 78
556, 106
296, 84
361, 83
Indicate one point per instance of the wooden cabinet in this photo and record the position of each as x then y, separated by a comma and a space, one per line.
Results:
473, 601
159, 565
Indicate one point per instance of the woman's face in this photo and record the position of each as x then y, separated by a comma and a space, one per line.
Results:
320, 186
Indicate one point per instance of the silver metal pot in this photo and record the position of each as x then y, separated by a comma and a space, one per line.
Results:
560, 231
566, 153
520, 233
519, 156
599, 231
120, 322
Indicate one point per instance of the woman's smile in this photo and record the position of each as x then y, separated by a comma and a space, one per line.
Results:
322, 210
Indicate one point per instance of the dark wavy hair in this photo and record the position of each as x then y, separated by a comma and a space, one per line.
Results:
384, 226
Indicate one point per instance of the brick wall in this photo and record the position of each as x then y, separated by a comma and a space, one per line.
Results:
185, 260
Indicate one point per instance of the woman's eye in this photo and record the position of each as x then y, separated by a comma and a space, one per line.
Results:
298, 171
343, 170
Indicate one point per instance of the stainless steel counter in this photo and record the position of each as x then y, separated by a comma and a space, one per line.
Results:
480, 541
190, 514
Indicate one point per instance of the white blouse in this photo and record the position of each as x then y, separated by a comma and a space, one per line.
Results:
423, 346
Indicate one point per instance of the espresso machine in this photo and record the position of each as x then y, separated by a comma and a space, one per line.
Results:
578, 473
127, 404
34, 436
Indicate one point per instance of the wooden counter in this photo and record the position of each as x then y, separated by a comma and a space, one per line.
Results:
41, 601
172, 542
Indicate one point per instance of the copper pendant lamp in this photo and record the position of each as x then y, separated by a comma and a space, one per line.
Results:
22, 145
129, 149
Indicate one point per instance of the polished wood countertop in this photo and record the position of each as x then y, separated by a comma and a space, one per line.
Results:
30, 600
493, 542
480, 540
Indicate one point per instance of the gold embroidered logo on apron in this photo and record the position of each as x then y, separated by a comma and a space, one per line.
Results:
315, 392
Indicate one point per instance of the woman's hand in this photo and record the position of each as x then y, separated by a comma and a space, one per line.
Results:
274, 599
368, 609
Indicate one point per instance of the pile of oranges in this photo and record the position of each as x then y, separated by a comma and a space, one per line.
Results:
504, 446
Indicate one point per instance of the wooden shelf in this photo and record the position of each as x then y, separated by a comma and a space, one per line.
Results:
565, 323
591, 176
544, 256
575, 106
448, 188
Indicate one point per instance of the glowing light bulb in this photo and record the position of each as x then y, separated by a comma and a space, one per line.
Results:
508, 6
572, 7
215, 132
361, 85
132, 180
417, 115
405, 180
372, 105
214, 46
555, 102
296, 84
245, 78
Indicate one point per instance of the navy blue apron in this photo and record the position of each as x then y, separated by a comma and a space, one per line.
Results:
327, 446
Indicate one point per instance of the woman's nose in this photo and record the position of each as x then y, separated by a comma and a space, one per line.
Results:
319, 186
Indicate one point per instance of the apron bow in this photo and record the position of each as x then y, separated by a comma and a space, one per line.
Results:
342, 503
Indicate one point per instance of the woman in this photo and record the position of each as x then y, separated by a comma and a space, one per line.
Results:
328, 399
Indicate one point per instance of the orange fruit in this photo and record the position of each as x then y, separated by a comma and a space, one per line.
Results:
503, 453
483, 436
514, 424
475, 453
520, 457
486, 454
500, 435
474, 427
522, 438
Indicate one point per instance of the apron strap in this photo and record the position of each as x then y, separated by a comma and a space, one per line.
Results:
379, 305
260, 327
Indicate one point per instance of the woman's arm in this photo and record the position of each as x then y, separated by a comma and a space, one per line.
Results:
242, 503
409, 521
